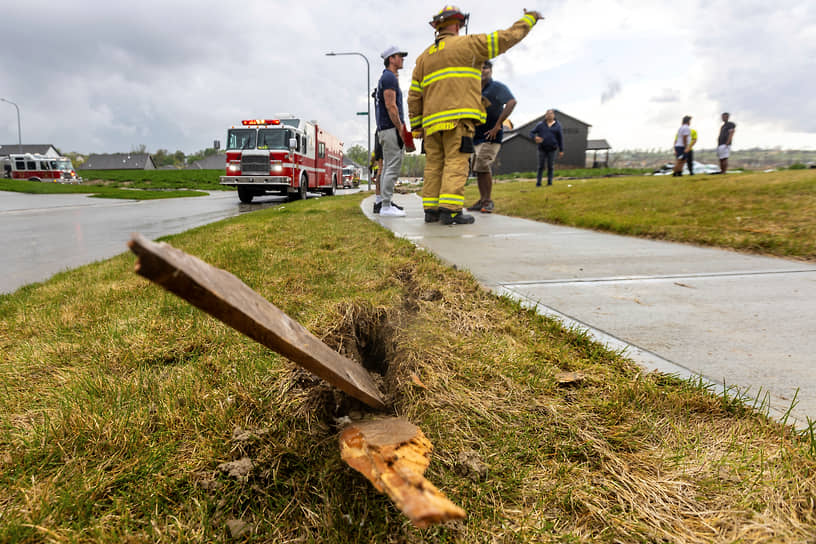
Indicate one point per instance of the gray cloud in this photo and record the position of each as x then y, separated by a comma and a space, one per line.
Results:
612, 90
666, 96
759, 61
103, 76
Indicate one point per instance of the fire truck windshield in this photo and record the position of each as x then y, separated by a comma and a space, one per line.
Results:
241, 138
273, 138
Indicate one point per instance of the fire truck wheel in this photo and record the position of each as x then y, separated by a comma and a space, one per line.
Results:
333, 190
302, 189
245, 195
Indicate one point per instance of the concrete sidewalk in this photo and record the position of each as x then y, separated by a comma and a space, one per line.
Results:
737, 319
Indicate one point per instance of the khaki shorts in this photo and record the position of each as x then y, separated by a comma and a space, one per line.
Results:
483, 156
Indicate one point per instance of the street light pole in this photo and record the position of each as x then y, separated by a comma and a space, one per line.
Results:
368, 95
19, 132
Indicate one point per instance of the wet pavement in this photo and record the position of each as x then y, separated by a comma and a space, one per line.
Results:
743, 320
46, 234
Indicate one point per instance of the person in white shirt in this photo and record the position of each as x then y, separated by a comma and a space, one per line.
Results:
682, 144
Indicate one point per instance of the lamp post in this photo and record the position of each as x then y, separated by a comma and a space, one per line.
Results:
368, 95
19, 132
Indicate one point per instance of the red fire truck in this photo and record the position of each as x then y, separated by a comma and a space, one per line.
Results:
283, 155
35, 167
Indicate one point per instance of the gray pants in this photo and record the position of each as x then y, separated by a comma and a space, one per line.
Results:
392, 163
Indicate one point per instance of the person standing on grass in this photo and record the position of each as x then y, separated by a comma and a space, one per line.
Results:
550, 138
390, 128
690, 153
724, 142
499, 103
681, 146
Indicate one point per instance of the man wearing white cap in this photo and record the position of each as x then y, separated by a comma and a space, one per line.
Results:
390, 128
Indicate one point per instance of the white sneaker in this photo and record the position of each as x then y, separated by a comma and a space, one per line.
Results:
391, 211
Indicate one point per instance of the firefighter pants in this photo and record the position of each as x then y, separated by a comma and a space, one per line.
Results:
446, 167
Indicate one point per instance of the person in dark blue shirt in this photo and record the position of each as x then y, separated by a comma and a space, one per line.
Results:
550, 138
390, 128
499, 103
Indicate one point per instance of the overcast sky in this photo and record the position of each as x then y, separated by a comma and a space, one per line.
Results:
101, 76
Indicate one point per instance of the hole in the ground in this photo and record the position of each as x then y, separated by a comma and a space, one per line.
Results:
364, 334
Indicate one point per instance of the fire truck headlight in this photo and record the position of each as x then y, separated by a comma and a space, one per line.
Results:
277, 168
234, 167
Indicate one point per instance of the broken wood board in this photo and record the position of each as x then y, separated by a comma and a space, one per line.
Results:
230, 300
393, 455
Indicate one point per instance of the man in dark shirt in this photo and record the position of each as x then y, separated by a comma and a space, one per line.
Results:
499, 103
390, 128
724, 142
550, 138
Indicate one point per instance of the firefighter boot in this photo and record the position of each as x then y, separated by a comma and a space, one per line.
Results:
432, 215
450, 217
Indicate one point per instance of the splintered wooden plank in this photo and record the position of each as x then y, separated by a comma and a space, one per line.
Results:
230, 300
393, 455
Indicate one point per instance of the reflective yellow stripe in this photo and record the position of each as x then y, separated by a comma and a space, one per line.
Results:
493, 45
439, 126
415, 86
448, 115
416, 122
430, 202
445, 73
453, 200
530, 20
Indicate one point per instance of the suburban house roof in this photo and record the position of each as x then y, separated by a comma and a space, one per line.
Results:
348, 162
529, 125
596, 145
41, 149
119, 161
213, 162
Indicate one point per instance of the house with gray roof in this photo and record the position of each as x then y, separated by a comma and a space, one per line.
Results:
119, 161
35, 149
519, 152
213, 162
599, 145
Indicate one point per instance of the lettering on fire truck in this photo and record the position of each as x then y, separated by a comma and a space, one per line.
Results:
283, 155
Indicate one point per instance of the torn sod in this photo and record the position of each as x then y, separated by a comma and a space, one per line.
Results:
392, 453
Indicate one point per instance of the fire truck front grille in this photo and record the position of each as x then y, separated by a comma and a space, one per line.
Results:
254, 164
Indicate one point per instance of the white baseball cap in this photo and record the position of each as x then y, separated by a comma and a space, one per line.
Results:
393, 50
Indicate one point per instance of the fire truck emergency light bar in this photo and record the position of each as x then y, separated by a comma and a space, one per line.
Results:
256, 122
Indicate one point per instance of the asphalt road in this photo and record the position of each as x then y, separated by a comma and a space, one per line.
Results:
46, 234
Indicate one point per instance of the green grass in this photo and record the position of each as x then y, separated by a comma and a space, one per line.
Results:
769, 213
98, 191
582, 173
118, 402
161, 179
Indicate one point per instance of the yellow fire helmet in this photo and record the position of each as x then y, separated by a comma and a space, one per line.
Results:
447, 13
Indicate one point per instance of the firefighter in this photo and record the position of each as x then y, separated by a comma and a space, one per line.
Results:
445, 105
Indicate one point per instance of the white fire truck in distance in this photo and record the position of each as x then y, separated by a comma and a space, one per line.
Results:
283, 155
36, 167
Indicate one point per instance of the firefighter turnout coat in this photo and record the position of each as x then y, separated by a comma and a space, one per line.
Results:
447, 80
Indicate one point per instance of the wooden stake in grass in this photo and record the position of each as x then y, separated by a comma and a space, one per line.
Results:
393, 454
230, 300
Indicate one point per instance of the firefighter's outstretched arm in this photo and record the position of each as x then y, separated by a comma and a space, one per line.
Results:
496, 43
